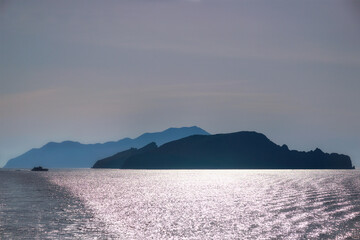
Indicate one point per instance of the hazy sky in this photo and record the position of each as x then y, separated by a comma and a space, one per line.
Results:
94, 71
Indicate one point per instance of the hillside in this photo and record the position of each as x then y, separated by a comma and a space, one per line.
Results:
241, 150
71, 154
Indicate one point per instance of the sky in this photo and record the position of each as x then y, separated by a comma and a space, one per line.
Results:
96, 71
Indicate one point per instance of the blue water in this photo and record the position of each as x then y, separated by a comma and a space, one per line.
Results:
180, 204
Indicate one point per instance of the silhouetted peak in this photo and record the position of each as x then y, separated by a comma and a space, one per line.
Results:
318, 151
50, 144
124, 139
251, 135
198, 129
64, 143
240, 150
192, 128
70, 154
284, 146
70, 143
150, 146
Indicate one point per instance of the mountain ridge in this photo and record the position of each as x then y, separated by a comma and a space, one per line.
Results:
239, 150
72, 154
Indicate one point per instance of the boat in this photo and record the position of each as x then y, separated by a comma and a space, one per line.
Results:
39, 169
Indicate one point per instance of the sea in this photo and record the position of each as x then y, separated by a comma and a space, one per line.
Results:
180, 204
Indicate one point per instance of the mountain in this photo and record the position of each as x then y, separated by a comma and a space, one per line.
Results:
70, 154
117, 160
240, 150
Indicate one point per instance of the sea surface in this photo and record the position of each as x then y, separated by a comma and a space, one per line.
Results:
180, 204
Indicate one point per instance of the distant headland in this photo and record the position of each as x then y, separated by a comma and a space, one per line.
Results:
71, 154
180, 148
240, 150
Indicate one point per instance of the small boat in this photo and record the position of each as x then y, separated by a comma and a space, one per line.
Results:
39, 168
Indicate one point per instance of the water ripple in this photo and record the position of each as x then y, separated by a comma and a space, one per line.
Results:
214, 204
180, 204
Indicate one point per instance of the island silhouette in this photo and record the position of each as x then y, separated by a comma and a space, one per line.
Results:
71, 154
240, 150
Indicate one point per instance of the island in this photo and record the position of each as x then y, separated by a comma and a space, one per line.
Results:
39, 169
240, 150
70, 154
